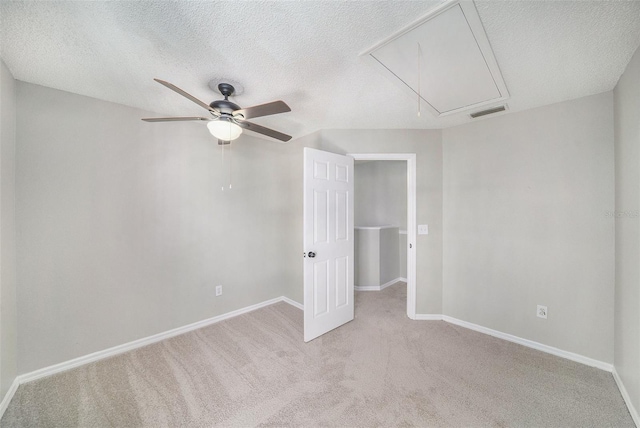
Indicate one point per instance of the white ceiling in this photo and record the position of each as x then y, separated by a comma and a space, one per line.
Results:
305, 53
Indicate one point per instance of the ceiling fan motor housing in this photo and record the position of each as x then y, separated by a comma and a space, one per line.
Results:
225, 106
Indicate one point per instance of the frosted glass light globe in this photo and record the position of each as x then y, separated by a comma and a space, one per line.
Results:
224, 130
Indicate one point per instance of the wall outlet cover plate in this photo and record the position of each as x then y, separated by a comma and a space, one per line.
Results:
542, 312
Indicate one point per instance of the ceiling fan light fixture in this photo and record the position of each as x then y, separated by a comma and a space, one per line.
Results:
224, 130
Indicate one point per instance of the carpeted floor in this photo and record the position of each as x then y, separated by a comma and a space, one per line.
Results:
379, 370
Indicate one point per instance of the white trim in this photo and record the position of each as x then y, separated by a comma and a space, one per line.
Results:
411, 235
130, 346
9, 395
402, 232
627, 399
366, 287
544, 348
378, 287
110, 352
531, 344
418, 22
428, 317
411, 218
57, 368
476, 27
293, 303
386, 226
382, 156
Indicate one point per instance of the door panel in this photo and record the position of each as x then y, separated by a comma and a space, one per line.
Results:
320, 217
342, 215
342, 282
320, 288
328, 241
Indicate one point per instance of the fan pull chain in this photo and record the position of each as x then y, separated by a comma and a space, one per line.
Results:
222, 165
419, 76
230, 163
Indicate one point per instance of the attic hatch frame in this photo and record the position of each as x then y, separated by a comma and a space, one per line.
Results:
470, 13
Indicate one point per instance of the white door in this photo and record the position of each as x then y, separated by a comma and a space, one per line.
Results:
328, 242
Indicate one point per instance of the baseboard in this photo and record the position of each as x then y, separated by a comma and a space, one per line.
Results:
544, 348
293, 303
366, 287
378, 287
627, 399
110, 352
8, 396
76, 362
428, 317
531, 344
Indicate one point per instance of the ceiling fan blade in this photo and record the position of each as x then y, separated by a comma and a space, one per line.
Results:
174, 119
188, 96
264, 131
267, 109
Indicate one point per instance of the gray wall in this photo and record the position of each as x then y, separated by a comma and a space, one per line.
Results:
525, 203
8, 317
427, 144
627, 155
380, 193
376, 258
389, 255
366, 257
123, 230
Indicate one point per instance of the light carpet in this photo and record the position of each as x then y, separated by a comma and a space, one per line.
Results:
381, 369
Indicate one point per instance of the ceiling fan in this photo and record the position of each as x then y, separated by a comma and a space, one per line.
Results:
227, 118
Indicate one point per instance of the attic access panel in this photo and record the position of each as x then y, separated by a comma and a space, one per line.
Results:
458, 70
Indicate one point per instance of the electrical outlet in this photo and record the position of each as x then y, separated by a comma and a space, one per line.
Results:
218, 290
423, 229
542, 312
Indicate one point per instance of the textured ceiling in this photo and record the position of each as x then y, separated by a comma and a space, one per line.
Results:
306, 53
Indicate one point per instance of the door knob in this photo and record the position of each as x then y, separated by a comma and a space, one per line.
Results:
312, 254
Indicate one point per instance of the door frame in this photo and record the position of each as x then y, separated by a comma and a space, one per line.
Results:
410, 158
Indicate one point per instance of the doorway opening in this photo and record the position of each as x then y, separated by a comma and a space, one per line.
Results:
386, 236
